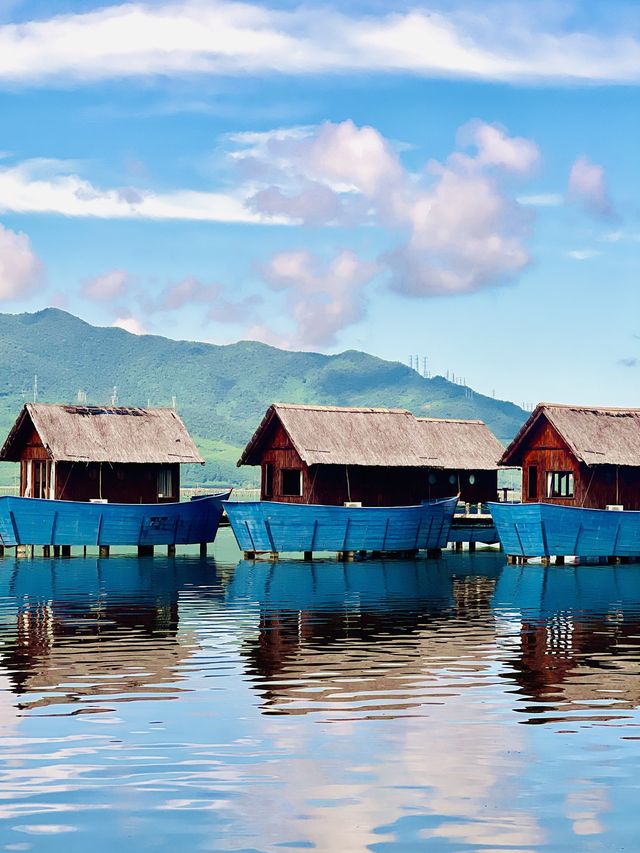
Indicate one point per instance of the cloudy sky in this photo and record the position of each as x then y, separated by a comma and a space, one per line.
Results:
457, 180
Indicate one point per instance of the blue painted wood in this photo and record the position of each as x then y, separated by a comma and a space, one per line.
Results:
285, 528
544, 530
35, 521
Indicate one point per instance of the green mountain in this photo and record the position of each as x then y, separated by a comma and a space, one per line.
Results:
221, 391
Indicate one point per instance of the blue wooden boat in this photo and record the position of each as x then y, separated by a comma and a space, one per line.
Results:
262, 526
545, 530
36, 521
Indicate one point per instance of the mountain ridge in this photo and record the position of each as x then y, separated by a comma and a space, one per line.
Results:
222, 390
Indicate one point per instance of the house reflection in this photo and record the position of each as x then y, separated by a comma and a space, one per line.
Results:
579, 640
360, 638
86, 632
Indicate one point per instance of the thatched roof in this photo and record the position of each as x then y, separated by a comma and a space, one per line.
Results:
386, 438
595, 436
460, 444
103, 434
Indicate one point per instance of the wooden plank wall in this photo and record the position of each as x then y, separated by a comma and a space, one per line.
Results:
594, 486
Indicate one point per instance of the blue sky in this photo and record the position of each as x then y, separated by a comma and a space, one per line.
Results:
454, 180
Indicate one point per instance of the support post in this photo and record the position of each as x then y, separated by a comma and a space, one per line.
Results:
434, 553
145, 550
46, 550
1, 550
171, 550
559, 560
56, 550
104, 551
273, 555
472, 547
249, 555
65, 550
203, 549
308, 556
458, 546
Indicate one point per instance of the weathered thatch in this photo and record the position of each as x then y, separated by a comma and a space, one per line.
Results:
330, 435
595, 436
458, 444
103, 434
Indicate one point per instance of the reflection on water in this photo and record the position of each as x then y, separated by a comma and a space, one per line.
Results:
188, 704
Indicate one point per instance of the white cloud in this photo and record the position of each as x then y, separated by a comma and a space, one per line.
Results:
456, 227
522, 42
131, 325
541, 200
21, 272
38, 186
105, 288
583, 254
587, 186
321, 299
496, 148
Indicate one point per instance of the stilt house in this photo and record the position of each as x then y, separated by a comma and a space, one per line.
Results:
83, 453
579, 456
378, 457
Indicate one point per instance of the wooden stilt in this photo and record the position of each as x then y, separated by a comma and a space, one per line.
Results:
104, 550
308, 556
273, 555
171, 550
46, 550
472, 546
65, 550
434, 553
545, 561
511, 560
84, 551
1, 550
56, 550
203, 549
145, 550
559, 560
458, 546
249, 555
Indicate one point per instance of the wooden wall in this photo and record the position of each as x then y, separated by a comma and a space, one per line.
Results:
372, 486
594, 487
78, 481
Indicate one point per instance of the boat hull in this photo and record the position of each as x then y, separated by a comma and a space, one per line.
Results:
545, 530
35, 521
262, 526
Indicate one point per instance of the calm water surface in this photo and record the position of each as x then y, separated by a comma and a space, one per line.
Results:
458, 704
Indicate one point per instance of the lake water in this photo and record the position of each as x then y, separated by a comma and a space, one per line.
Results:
457, 704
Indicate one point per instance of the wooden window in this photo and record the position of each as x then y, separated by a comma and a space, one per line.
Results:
40, 474
268, 480
165, 482
559, 484
291, 482
532, 486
